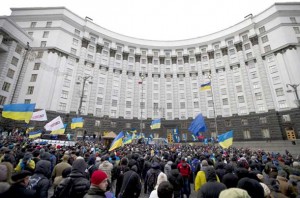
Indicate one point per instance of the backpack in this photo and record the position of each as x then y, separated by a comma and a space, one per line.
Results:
152, 179
33, 181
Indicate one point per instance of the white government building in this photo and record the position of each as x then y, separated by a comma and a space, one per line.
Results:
73, 64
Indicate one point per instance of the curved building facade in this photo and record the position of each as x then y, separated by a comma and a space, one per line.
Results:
118, 82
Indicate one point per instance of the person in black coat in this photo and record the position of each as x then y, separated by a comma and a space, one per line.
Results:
42, 170
176, 179
18, 188
118, 173
76, 185
131, 186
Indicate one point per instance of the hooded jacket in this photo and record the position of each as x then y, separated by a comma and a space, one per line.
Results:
155, 169
42, 171
131, 186
167, 168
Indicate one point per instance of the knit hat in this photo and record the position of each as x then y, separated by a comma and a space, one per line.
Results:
3, 172
234, 193
204, 163
97, 177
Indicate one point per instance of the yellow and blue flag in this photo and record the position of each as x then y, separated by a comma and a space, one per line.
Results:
226, 139
35, 134
128, 139
29, 129
18, 111
155, 124
59, 131
77, 123
198, 125
205, 86
118, 141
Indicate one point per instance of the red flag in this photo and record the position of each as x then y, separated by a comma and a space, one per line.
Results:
201, 137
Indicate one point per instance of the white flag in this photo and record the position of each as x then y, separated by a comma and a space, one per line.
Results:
54, 124
39, 115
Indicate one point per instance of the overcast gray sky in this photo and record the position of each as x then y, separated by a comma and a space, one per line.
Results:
156, 19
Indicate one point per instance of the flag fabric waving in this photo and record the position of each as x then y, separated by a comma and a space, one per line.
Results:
117, 141
226, 139
29, 129
39, 115
128, 139
35, 134
59, 131
198, 125
176, 135
205, 86
18, 111
54, 124
155, 124
77, 123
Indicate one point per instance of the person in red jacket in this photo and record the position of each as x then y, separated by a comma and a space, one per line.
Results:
185, 170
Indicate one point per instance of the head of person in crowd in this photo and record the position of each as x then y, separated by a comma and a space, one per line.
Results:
6, 170
161, 178
21, 178
79, 166
165, 190
234, 193
99, 179
252, 186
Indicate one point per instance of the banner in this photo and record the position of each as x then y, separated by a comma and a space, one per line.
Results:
39, 115
54, 124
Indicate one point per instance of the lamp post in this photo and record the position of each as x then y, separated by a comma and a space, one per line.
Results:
295, 90
142, 76
85, 78
214, 109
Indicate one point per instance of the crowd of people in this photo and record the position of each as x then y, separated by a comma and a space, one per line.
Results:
89, 170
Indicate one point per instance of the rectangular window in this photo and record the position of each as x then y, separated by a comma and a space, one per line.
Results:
296, 29
118, 57
245, 38
247, 134
75, 42
230, 43
262, 29
27, 101
196, 104
249, 55
253, 75
40, 54
73, 51
223, 91
46, 34
244, 122
90, 57
6, 86
247, 46
231, 52
49, 24
225, 101
30, 90
10, 73
239, 88
99, 101
169, 105
2, 100
182, 105
293, 20
62, 106
77, 32
128, 104
227, 123
67, 83
258, 96
114, 103
64, 94
264, 39
91, 48
282, 104
33, 77
43, 43
263, 120
210, 103
265, 133
36, 66
273, 69
279, 92
33, 24
267, 48
14, 61
241, 99
18, 49
286, 118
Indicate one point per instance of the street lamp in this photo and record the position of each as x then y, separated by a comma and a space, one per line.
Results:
213, 102
295, 90
142, 76
85, 78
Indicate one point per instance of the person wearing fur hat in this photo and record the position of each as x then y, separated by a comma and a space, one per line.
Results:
99, 183
19, 186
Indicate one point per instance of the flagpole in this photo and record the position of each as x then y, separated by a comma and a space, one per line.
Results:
214, 109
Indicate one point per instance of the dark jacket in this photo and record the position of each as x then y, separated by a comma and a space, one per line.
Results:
155, 168
131, 186
118, 174
76, 185
42, 170
95, 192
18, 190
176, 179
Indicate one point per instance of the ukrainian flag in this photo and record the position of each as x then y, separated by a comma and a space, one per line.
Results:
118, 142
18, 111
29, 129
226, 139
128, 139
205, 86
155, 124
77, 123
59, 131
35, 134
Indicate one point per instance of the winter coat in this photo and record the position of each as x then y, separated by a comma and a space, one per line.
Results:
19, 190
200, 179
58, 169
131, 186
106, 167
161, 178
4, 187
211, 189
295, 181
176, 179
284, 186
118, 174
76, 185
155, 168
43, 168
95, 192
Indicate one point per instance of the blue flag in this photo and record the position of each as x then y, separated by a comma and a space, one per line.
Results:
198, 125
176, 135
